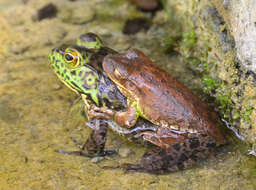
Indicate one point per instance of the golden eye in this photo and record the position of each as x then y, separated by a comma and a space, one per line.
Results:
72, 57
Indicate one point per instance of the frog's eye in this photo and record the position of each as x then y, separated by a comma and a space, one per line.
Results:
72, 58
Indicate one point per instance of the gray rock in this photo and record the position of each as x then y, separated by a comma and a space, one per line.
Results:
242, 22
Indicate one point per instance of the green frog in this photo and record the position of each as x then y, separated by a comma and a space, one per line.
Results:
131, 95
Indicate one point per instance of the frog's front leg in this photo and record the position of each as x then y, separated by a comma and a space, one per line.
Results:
122, 118
179, 156
95, 144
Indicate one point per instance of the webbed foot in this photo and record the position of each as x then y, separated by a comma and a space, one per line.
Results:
83, 151
95, 144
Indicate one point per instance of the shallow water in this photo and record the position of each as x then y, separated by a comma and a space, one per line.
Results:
38, 115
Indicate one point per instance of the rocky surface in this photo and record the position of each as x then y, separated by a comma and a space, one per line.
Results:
39, 115
240, 16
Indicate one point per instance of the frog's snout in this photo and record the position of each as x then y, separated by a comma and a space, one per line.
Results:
54, 53
57, 50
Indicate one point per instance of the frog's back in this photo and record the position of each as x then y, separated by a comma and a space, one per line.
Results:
165, 101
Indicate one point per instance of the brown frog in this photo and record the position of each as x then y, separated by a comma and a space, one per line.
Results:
187, 127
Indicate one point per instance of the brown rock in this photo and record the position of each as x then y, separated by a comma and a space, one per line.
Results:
146, 5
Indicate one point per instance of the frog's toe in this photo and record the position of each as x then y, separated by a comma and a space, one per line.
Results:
78, 143
85, 153
127, 167
76, 152
101, 113
131, 168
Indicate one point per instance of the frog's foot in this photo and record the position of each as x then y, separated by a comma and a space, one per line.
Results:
94, 145
100, 113
177, 157
83, 151
123, 118
158, 161
126, 118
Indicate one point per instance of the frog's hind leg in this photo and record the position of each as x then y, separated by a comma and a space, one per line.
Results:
95, 144
177, 157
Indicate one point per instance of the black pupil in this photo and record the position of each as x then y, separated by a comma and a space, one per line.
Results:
69, 57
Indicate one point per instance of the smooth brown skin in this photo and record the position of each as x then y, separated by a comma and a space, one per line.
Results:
163, 100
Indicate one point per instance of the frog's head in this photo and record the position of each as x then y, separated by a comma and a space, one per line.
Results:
90, 41
119, 70
70, 65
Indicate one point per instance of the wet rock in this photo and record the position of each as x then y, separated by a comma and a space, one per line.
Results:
48, 11
212, 16
146, 5
135, 25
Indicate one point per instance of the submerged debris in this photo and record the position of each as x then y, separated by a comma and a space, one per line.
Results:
132, 26
48, 11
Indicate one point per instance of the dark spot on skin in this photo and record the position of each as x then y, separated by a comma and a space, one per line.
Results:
86, 86
58, 72
62, 65
194, 155
107, 103
57, 66
73, 73
65, 71
183, 157
100, 100
48, 11
176, 147
211, 145
194, 143
68, 77
62, 74
181, 166
80, 73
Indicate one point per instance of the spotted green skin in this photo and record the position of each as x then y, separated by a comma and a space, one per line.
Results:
90, 41
80, 79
